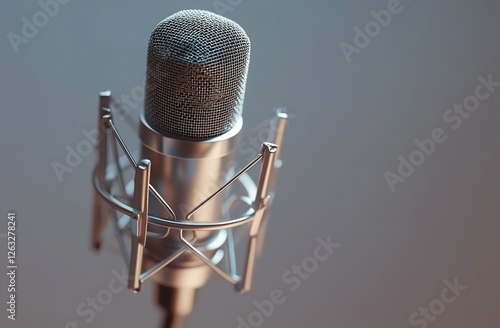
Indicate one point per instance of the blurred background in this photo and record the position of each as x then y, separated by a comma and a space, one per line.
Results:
359, 92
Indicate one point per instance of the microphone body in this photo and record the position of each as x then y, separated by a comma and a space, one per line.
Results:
195, 84
185, 173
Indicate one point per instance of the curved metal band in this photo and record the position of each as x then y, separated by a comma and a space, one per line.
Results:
176, 146
166, 223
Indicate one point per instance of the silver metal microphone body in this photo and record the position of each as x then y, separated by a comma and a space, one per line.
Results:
195, 83
185, 173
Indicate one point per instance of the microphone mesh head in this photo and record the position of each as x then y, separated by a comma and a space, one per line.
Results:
196, 74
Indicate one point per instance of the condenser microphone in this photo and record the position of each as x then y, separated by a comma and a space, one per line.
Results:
174, 212
197, 67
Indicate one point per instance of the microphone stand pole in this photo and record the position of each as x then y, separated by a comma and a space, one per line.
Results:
177, 304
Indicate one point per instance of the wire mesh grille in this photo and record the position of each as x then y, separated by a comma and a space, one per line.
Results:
196, 74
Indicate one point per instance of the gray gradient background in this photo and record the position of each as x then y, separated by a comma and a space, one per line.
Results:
351, 123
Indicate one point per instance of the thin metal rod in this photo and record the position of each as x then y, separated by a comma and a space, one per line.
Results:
147, 274
119, 235
118, 167
102, 144
99, 218
269, 152
246, 282
231, 253
121, 143
163, 202
232, 279
140, 201
282, 118
208, 226
261, 201
173, 320
221, 189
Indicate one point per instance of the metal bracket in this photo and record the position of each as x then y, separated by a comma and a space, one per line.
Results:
106, 174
